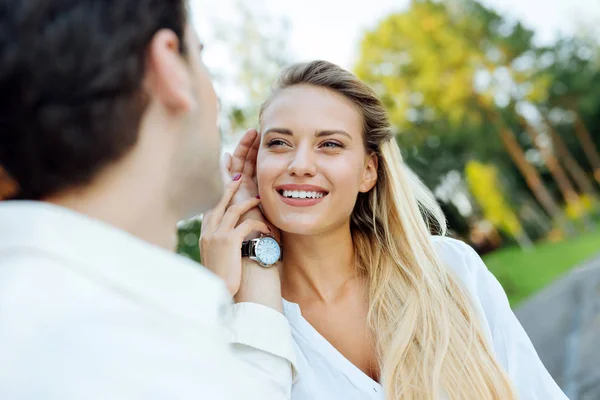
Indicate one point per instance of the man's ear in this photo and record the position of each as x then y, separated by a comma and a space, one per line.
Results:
168, 77
369, 178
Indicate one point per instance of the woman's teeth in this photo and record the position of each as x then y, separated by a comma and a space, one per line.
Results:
301, 194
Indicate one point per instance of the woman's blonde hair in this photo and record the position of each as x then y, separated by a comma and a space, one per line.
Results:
427, 335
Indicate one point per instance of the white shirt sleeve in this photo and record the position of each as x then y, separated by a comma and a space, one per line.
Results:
262, 338
512, 346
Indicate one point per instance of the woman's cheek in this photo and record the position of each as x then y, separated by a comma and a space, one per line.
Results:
266, 174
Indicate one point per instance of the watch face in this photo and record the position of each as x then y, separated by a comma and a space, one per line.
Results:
268, 250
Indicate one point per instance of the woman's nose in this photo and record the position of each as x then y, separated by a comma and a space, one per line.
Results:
303, 163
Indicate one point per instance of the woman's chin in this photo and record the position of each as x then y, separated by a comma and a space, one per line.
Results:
299, 227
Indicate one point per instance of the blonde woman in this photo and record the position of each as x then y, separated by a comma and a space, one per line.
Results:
379, 308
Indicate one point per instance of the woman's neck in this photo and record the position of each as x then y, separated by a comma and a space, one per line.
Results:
318, 267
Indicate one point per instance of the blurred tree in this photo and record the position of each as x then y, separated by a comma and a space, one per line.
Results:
450, 61
571, 197
485, 186
588, 145
572, 166
514, 79
574, 93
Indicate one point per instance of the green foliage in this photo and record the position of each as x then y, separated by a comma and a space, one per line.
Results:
412, 58
523, 273
427, 65
574, 67
427, 61
188, 235
452, 74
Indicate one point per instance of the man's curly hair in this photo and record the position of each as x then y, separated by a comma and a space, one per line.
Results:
70, 86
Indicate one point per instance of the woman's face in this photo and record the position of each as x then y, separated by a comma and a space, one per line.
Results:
312, 162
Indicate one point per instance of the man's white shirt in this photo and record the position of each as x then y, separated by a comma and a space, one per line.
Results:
88, 311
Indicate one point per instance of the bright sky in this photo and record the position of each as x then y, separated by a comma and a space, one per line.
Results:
331, 29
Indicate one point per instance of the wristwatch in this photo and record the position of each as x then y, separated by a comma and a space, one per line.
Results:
265, 250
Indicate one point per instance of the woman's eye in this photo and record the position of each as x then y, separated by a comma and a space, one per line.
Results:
332, 144
275, 143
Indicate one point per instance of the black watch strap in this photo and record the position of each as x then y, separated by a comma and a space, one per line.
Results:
246, 248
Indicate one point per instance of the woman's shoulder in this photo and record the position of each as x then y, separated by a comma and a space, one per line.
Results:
457, 254
470, 270
461, 259
463, 262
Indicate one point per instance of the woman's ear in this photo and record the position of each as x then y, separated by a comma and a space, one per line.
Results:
369, 177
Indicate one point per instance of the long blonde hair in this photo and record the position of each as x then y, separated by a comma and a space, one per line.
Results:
427, 335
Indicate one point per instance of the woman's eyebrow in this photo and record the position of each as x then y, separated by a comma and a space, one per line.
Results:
332, 132
283, 131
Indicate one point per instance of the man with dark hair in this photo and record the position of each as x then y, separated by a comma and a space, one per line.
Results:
108, 137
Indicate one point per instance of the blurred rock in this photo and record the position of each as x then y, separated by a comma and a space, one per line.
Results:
563, 322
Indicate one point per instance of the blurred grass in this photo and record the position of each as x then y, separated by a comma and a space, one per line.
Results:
523, 273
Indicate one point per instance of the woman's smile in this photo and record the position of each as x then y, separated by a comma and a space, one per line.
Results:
297, 195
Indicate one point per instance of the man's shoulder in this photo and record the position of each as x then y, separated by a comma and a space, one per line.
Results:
45, 286
55, 261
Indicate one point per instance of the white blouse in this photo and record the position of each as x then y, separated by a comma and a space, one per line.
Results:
324, 373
